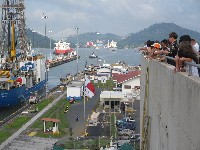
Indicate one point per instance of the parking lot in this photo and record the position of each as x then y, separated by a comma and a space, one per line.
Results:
126, 131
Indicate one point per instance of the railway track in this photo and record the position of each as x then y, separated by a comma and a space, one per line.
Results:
13, 115
23, 108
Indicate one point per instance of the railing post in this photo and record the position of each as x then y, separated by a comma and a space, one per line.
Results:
190, 70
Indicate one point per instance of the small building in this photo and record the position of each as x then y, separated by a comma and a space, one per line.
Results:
129, 83
126, 90
104, 70
55, 122
75, 90
111, 99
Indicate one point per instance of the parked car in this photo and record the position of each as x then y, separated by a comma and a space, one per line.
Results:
135, 137
131, 125
126, 132
126, 123
118, 122
125, 119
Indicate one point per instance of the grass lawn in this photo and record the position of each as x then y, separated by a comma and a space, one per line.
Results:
113, 127
43, 104
4, 135
15, 124
12, 127
56, 112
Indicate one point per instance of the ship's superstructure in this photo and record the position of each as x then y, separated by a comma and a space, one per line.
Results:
112, 45
22, 71
62, 48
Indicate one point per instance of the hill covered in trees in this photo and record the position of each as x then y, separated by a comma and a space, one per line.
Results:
158, 32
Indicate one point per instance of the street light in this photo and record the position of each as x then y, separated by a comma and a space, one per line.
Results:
98, 34
110, 115
77, 47
44, 17
33, 37
50, 39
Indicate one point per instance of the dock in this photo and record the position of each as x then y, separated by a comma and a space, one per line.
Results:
55, 63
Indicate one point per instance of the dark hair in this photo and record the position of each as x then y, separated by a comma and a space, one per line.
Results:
186, 50
150, 43
174, 35
185, 38
165, 41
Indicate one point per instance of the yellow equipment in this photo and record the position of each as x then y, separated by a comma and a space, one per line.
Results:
13, 48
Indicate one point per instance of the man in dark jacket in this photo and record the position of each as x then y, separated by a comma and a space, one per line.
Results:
173, 47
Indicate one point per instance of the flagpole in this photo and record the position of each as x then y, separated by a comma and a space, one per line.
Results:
89, 91
84, 99
84, 107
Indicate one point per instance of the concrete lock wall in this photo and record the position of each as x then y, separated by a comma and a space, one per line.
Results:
173, 104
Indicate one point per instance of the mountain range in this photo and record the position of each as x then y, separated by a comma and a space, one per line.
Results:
157, 32
154, 32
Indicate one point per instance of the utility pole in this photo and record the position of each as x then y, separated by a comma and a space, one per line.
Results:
50, 39
77, 47
45, 26
33, 38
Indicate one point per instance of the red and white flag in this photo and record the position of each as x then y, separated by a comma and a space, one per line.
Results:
89, 88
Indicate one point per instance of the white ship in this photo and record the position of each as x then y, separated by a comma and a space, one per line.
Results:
112, 45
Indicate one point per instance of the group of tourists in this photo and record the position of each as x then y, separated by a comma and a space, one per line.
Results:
184, 50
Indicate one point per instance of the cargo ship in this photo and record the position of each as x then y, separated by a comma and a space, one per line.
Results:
63, 54
62, 47
22, 71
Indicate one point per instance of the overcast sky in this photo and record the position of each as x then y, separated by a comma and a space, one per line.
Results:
119, 17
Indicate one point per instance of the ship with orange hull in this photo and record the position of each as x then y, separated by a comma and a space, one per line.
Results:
62, 47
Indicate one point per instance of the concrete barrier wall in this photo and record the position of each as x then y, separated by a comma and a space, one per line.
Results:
173, 104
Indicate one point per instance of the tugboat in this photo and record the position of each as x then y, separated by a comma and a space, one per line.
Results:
93, 56
22, 72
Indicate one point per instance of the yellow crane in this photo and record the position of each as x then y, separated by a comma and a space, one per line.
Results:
13, 48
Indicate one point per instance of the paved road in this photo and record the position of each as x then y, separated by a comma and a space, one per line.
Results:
96, 131
102, 128
78, 109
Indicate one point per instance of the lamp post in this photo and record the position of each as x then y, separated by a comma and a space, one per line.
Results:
77, 47
125, 109
98, 34
110, 116
33, 38
50, 39
45, 28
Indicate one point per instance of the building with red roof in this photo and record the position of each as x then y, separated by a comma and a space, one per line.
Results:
127, 89
127, 83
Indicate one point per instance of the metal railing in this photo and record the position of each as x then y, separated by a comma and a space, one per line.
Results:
190, 64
